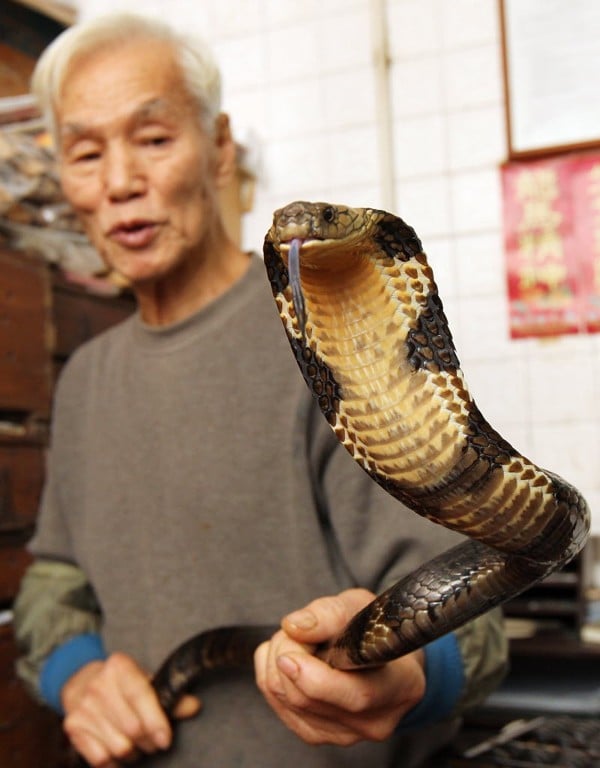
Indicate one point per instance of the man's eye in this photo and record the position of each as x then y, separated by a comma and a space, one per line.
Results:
156, 140
82, 155
87, 157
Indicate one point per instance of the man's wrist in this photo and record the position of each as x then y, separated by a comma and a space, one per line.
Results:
64, 661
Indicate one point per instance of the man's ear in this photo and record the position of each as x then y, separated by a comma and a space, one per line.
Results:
225, 151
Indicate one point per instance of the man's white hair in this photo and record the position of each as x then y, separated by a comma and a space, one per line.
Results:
199, 69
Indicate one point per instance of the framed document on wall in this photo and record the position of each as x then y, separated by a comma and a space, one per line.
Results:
551, 57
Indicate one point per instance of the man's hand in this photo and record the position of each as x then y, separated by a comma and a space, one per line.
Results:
113, 714
327, 706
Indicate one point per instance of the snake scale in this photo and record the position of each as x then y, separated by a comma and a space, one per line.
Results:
361, 310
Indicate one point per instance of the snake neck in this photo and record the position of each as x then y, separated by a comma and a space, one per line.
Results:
409, 422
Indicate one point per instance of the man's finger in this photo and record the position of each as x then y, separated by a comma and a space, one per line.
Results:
326, 617
187, 706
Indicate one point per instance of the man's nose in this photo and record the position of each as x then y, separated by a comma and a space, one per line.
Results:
123, 174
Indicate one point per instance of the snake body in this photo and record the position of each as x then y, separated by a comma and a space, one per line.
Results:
362, 313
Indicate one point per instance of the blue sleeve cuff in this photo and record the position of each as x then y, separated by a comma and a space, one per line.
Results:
64, 661
445, 680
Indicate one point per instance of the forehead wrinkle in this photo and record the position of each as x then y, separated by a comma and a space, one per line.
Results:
149, 109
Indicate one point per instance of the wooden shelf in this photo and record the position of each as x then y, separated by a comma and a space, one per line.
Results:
43, 318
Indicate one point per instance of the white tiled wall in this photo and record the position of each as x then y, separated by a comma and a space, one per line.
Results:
299, 78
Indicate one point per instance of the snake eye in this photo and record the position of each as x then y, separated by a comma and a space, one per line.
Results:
328, 214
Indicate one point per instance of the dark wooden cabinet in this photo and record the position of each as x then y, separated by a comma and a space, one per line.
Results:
43, 318
31, 735
25, 338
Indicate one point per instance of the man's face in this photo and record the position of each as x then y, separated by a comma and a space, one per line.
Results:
135, 162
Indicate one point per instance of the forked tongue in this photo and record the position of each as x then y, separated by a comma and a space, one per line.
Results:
294, 275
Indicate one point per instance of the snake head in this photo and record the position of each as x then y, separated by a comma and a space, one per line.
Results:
295, 225
304, 221
316, 225
298, 234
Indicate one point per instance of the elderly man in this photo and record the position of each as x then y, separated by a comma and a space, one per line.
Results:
187, 460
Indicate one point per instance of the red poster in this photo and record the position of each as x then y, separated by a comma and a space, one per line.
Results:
552, 245
585, 185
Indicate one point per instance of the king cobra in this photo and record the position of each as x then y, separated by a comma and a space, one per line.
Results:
362, 313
